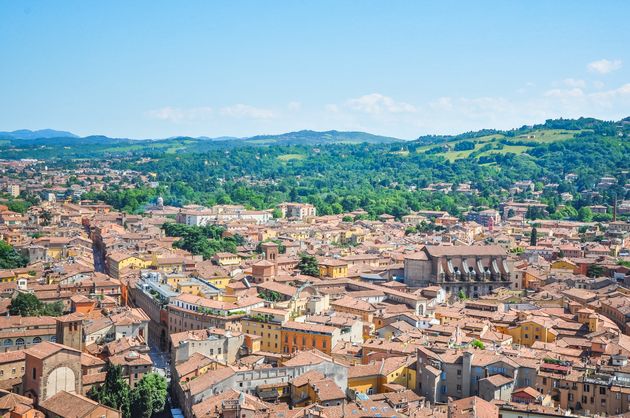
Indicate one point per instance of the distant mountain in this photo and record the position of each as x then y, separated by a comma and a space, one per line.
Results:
219, 138
314, 138
42, 133
304, 137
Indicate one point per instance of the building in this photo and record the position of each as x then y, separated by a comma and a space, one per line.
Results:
189, 312
69, 330
18, 333
487, 218
214, 343
267, 324
474, 270
297, 210
299, 336
51, 368
333, 268
13, 190
460, 374
66, 404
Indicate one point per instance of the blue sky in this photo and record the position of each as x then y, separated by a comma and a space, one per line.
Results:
402, 68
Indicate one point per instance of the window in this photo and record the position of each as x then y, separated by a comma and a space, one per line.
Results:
526, 335
443, 376
34, 373
459, 388
459, 372
37, 340
443, 389
570, 397
602, 390
19, 341
587, 388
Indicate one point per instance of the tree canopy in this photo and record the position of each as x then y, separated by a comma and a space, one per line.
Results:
10, 258
27, 304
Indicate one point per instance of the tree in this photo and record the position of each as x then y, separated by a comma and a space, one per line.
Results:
478, 344
276, 213
533, 239
149, 396
595, 270
114, 392
585, 214
308, 265
27, 304
462, 295
10, 258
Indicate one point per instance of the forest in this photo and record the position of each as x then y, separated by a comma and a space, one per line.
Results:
391, 177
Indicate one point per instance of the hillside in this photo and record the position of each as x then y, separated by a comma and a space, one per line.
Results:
490, 142
307, 137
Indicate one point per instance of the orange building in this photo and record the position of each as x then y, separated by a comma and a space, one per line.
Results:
82, 304
297, 336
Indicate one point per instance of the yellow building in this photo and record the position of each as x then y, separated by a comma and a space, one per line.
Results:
266, 323
529, 331
374, 378
564, 265
226, 259
119, 262
333, 268
219, 282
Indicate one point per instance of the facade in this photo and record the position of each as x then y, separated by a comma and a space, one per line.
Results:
18, 333
474, 270
51, 368
188, 312
460, 374
298, 336
216, 344
297, 210
267, 324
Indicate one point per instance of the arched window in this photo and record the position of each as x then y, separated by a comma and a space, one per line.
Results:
37, 340
8, 341
19, 341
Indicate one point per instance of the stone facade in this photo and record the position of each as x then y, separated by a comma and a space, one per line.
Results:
475, 270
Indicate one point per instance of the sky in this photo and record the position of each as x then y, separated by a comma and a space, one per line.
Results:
155, 69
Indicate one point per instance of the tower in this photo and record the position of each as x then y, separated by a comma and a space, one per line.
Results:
271, 251
70, 330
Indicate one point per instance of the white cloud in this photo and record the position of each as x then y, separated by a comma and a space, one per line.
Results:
247, 112
178, 114
604, 66
294, 106
564, 93
443, 103
573, 82
377, 103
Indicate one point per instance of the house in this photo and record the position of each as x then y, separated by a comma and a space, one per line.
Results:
333, 268
226, 259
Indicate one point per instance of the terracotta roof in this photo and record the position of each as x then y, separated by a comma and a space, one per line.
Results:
47, 349
66, 404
